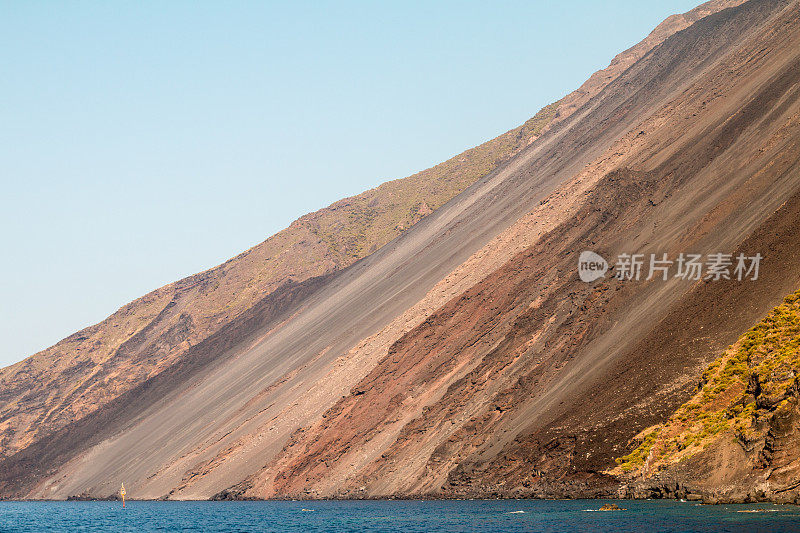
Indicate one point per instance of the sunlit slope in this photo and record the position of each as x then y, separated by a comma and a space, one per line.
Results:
737, 438
231, 381
531, 382
86, 370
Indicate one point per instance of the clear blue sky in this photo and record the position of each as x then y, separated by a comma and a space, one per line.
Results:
144, 141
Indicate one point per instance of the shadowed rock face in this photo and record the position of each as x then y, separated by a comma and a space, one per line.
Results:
463, 357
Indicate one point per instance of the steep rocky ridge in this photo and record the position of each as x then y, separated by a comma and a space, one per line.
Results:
622, 61
531, 382
265, 382
285, 347
144, 338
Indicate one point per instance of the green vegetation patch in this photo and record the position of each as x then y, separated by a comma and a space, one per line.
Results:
763, 364
639, 455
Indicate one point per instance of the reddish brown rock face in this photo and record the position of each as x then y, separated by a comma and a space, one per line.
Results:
531, 382
464, 357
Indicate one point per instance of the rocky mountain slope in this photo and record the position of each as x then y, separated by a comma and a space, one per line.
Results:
431, 337
736, 440
531, 382
152, 334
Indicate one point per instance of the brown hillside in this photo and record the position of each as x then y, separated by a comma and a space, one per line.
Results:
430, 336
86, 370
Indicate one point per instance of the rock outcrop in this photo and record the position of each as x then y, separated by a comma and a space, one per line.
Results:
736, 440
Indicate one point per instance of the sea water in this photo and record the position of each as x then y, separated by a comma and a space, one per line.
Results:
389, 516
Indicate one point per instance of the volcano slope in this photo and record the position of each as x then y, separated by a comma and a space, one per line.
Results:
465, 357
531, 382
736, 439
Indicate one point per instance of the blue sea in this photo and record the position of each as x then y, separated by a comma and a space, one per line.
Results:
390, 516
